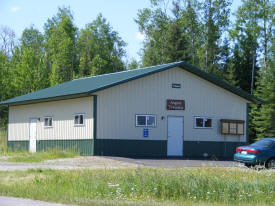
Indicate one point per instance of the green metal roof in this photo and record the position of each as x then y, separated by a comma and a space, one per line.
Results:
87, 86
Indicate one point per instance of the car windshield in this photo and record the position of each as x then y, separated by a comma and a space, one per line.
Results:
263, 143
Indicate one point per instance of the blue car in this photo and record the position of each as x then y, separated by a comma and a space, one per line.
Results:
261, 152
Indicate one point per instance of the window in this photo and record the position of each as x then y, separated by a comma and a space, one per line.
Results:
203, 122
79, 119
232, 127
146, 120
48, 121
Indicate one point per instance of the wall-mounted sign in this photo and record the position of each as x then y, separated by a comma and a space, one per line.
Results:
174, 104
145, 132
177, 86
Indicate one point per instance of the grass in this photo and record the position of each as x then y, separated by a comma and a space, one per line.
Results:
24, 156
39, 156
147, 186
3, 140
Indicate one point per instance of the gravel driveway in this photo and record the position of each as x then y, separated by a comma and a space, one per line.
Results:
179, 162
70, 163
94, 162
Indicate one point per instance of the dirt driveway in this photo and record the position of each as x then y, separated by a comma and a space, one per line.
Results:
94, 162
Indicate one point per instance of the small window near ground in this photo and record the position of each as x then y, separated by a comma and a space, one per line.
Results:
203, 122
146, 120
48, 121
79, 119
232, 127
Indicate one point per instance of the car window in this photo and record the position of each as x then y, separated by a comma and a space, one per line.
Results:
263, 143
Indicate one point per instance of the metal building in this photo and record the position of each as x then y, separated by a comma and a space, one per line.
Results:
166, 110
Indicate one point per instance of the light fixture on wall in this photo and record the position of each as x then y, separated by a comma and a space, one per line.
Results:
162, 117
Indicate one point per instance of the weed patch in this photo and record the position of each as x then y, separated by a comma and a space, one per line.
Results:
3, 141
172, 186
40, 156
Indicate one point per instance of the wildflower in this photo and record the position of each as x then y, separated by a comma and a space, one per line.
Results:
113, 185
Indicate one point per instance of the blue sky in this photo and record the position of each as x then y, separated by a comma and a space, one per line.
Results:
18, 15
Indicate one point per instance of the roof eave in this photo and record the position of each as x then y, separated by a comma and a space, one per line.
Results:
49, 99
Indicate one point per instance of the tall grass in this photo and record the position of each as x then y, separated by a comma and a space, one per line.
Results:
3, 140
203, 185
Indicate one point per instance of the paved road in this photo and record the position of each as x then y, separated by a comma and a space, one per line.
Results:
178, 162
11, 201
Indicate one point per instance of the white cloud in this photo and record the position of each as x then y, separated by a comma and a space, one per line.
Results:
15, 9
140, 36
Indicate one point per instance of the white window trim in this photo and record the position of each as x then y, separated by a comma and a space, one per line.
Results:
203, 127
79, 125
146, 115
44, 121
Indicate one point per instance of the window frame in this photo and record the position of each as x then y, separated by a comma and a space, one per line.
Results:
47, 117
146, 115
79, 114
229, 122
204, 120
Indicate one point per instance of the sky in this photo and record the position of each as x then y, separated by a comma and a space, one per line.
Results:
18, 15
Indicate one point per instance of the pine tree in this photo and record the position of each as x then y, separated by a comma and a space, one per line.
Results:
264, 115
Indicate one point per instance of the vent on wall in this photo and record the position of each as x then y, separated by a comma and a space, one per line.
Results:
175, 85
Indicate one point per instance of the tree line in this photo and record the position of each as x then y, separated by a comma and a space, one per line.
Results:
199, 32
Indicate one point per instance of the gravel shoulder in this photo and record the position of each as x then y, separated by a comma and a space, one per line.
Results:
70, 164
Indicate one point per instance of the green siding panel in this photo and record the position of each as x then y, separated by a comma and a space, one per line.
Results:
18, 145
213, 149
130, 148
83, 146
154, 148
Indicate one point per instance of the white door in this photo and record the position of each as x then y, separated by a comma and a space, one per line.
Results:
33, 135
175, 136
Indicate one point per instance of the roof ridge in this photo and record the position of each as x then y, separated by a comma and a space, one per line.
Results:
129, 70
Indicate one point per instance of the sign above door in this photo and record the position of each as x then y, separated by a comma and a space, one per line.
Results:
175, 104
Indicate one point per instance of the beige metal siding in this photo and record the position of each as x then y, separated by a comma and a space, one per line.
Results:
117, 107
63, 120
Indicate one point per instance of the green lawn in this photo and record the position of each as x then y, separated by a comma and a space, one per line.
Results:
24, 156
20, 156
200, 186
